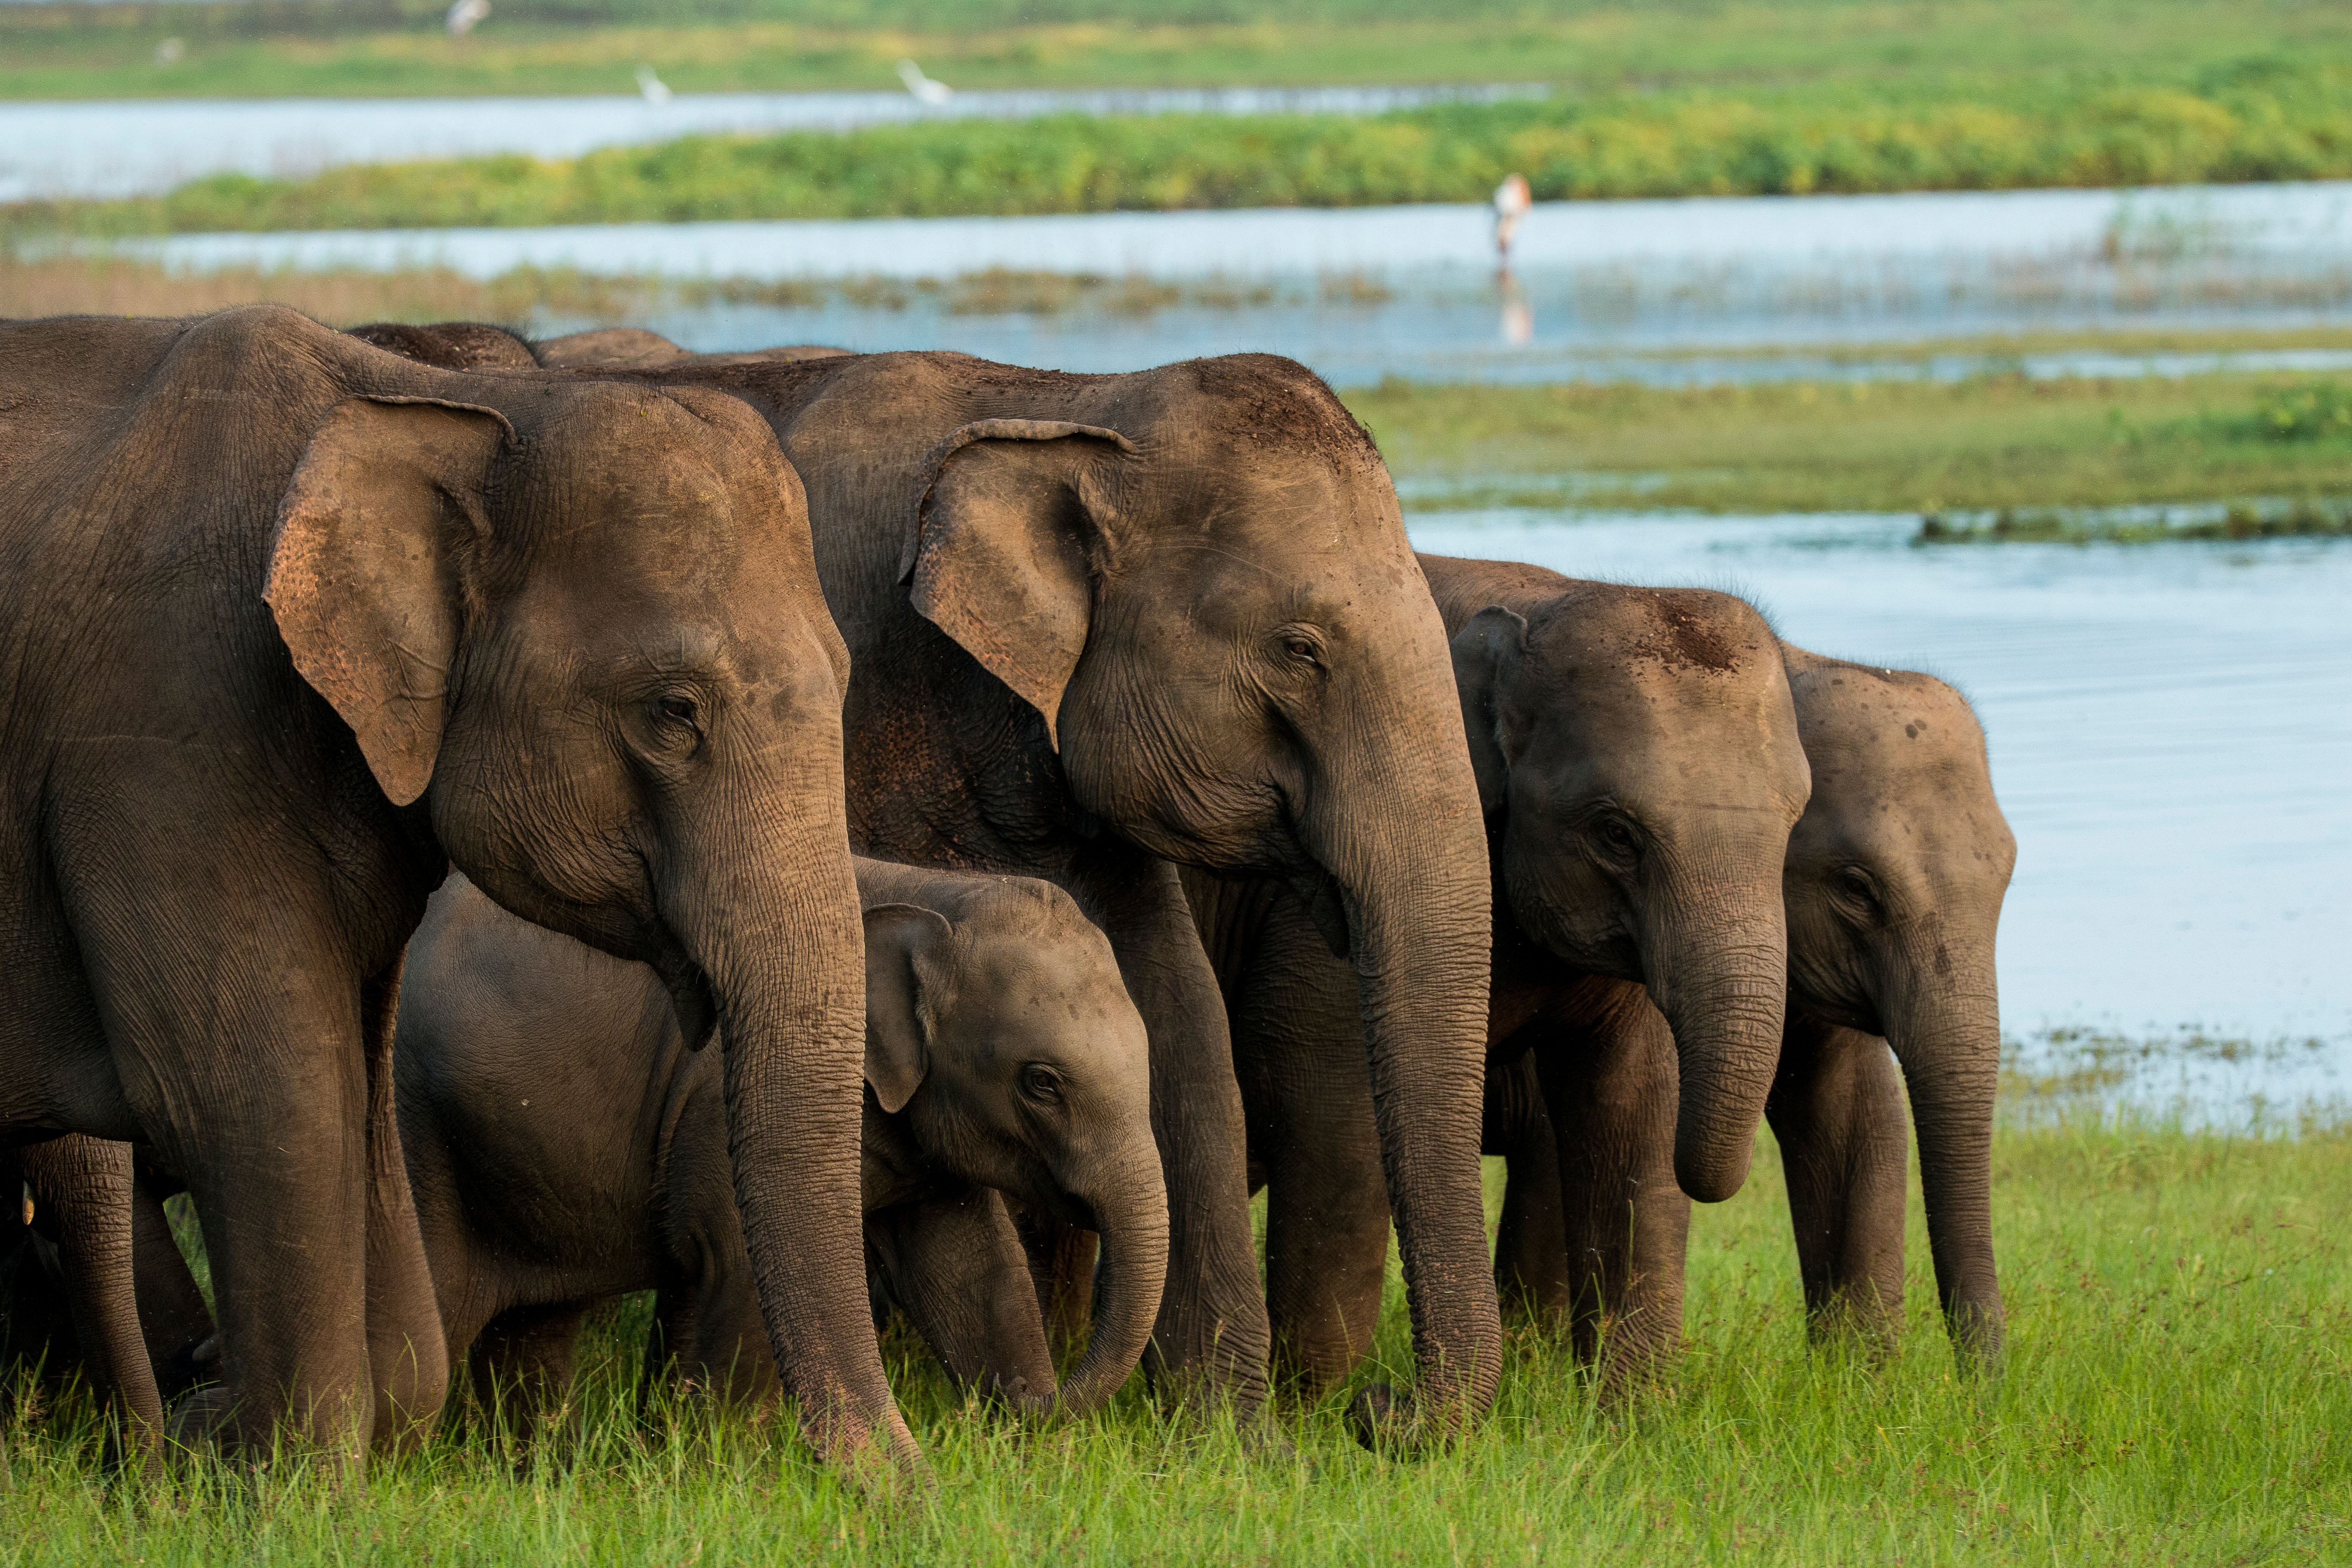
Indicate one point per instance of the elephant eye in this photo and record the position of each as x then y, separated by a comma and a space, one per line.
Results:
1857, 890
679, 710
1041, 1083
1616, 836
1300, 645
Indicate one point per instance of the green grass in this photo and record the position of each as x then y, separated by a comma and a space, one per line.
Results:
2261, 120
1983, 444
2180, 1305
289, 48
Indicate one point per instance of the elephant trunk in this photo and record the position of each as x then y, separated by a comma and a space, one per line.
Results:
1946, 1031
766, 910
1131, 1218
1417, 903
1718, 967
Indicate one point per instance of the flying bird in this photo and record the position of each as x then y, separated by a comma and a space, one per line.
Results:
464, 16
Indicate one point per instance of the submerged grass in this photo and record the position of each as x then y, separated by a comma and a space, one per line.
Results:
2177, 1391
1991, 442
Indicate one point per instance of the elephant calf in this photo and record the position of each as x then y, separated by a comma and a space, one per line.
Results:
565, 1144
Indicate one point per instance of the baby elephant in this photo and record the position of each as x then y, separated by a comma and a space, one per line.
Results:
566, 1144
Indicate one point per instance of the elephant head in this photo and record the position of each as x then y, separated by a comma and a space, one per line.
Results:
1895, 881
1006, 1036
577, 632
1638, 757
1205, 590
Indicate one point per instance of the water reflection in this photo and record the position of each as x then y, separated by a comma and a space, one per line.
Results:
1671, 292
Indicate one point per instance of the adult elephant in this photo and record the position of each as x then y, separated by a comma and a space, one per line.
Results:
1106, 626
1893, 886
1638, 760
288, 625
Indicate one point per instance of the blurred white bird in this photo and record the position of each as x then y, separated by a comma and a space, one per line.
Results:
1512, 200
171, 51
921, 86
656, 89
464, 16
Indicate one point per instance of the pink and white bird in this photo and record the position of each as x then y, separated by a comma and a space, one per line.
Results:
1512, 200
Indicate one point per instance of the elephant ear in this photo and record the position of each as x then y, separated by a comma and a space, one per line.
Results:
1007, 538
1486, 653
363, 572
905, 949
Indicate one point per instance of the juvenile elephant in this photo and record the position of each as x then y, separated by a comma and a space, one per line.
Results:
567, 1143
289, 624
1894, 884
1638, 760
1106, 626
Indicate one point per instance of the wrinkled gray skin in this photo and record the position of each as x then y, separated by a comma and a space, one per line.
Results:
566, 1144
1107, 626
288, 625
83, 1296
1638, 760
1894, 884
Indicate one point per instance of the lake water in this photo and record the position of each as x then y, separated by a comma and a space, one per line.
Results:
140, 146
2170, 730
1671, 291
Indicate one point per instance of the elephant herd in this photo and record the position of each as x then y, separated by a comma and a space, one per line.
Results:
505, 824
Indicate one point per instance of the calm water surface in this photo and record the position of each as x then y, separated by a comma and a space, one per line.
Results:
2170, 730
1663, 292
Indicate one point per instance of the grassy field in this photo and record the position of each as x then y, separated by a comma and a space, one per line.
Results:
291, 47
2246, 120
1985, 443
2177, 1394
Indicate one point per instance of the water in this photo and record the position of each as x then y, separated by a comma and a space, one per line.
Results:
1663, 292
2170, 730
143, 146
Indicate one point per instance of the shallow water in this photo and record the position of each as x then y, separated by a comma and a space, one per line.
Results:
1666, 292
2170, 730
138, 146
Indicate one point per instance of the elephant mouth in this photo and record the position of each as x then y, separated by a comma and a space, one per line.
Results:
1317, 892
689, 997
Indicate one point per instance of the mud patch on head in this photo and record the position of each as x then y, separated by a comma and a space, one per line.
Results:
1275, 401
1686, 632
450, 345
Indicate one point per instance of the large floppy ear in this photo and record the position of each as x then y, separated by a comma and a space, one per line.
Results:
364, 571
1003, 552
906, 946
1486, 653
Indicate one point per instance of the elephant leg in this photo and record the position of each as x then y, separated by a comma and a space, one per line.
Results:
1531, 1275
1211, 1339
522, 1365
1837, 1109
1299, 1052
231, 1009
956, 1265
1061, 1259
81, 1190
406, 1356
173, 1317
1610, 1084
